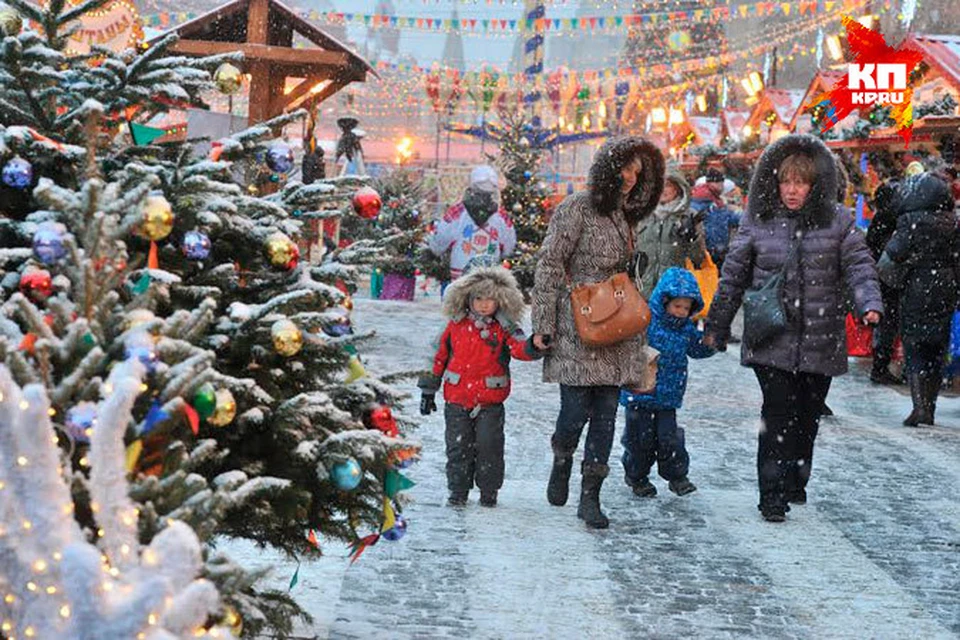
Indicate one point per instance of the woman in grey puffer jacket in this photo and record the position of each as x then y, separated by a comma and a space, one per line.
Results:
672, 235
793, 208
587, 241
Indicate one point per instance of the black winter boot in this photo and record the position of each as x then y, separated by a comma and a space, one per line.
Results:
589, 511
931, 387
559, 487
921, 413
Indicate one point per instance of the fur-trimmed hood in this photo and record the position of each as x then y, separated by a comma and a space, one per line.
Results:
821, 205
682, 203
485, 282
605, 181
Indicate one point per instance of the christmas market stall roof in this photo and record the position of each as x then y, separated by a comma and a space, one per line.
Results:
941, 52
775, 108
264, 31
824, 80
734, 122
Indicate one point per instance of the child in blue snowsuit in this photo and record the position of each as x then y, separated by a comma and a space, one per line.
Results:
652, 434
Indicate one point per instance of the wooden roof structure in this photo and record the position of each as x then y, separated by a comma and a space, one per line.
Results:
263, 31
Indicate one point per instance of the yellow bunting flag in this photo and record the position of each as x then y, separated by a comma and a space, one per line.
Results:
389, 518
133, 454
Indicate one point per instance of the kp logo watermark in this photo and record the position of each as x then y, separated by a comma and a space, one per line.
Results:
879, 75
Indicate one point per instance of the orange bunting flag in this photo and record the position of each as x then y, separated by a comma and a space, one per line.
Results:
312, 539
358, 546
153, 260
28, 343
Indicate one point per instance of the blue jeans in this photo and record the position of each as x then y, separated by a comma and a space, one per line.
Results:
578, 405
653, 436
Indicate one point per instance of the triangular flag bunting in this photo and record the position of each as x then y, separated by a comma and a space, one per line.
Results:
133, 454
394, 482
143, 134
295, 578
193, 418
389, 518
312, 539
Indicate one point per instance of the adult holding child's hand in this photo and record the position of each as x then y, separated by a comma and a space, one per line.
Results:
589, 240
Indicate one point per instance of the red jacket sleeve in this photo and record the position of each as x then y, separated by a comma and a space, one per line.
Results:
521, 347
431, 383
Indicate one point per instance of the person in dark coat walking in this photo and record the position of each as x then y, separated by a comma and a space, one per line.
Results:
793, 226
652, 434
588, 241
886, 207
472, 359
926, 249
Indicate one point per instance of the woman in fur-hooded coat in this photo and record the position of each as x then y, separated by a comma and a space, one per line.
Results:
588, 241
815, 243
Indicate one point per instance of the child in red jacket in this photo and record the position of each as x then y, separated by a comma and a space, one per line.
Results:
473, 361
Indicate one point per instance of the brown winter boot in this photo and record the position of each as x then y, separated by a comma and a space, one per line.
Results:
589, 511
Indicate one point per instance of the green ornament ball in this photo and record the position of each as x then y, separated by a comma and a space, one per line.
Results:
205, 400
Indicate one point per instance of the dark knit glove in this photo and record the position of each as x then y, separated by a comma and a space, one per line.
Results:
428, 404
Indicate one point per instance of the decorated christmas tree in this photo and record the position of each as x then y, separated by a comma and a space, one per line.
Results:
256, 418
391, 230
525, 196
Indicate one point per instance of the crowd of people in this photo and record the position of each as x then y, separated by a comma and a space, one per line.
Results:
793, 260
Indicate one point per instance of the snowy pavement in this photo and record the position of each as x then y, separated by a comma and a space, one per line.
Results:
874, 554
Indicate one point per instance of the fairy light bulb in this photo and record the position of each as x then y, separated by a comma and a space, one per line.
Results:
125, 549
27, 525
31, 586
152, 619
22, 461
65, 611
24, 405
29, 632
40, 566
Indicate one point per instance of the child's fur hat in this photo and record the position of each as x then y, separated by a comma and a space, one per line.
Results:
485, 282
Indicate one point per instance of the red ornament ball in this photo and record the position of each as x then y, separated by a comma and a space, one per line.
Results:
382, 418
36, 284
367, 203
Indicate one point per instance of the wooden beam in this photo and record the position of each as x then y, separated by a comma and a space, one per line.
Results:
258, 23
318, 97
264, 53
297, 93
259, 109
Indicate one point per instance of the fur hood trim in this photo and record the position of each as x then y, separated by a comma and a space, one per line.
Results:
604, 179
486, 282
821, 205
683, 186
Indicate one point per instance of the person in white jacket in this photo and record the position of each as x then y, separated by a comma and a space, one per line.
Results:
476, 230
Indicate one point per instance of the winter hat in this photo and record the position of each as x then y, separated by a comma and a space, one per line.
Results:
915, 168
485, 178
714, 175
485, 282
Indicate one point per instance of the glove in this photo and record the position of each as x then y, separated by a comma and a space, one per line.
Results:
427, 404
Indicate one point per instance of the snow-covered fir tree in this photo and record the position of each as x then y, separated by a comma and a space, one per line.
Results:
256, 418
525, 196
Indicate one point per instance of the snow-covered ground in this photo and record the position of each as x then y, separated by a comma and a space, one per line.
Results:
874, 554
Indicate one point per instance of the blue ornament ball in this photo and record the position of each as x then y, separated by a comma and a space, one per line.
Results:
339, 329
396, 532
196, 245
280, 157
143, 349
48, 245
18, 173
80, 418
346, 475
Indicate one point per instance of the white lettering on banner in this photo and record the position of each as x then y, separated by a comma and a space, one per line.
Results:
877, 76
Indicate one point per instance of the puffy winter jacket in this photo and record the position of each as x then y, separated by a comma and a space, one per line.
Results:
661, 237
927, 247
718, 220
675, 338
467, 241
831, 253
475, 368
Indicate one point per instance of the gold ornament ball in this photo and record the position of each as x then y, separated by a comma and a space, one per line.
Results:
227, 78
253, 189
348, 303
282, 251
10, 22
233, 621
157, 218
287, 337
226, 409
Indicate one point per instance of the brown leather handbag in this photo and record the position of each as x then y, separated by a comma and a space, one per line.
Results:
611, 311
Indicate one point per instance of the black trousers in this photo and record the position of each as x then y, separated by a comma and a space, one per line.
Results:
579, 405
474, 447
792, 403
